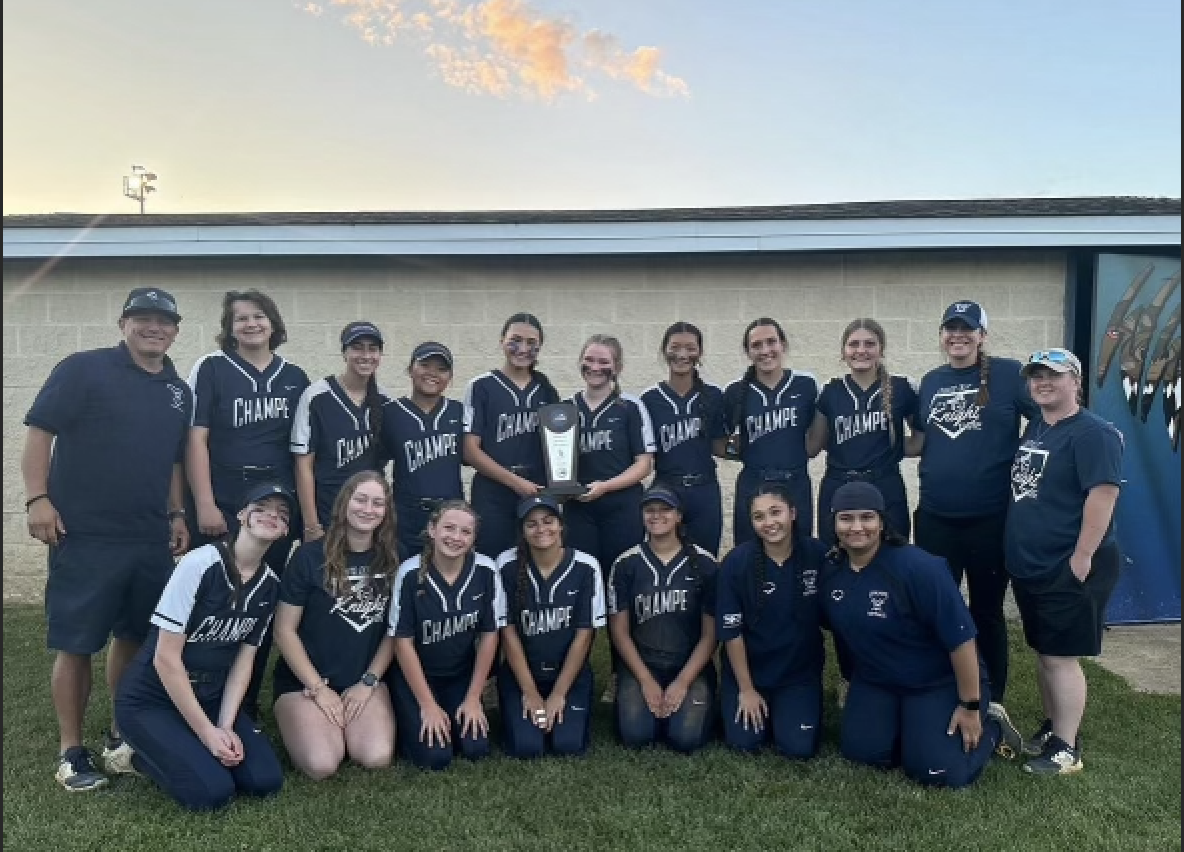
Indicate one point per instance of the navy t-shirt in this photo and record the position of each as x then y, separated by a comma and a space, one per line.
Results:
446, 619
899, 617
857, 433
778, 622
119, 430
548, 611
1054, 470
425, 448
968, 450
249, 412
773, 422
665, 602
506, 419
684, 428
612, 436
341, 632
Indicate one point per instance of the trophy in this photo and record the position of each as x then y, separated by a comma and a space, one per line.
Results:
559, 430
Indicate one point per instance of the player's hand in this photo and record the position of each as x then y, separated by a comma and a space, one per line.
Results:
354, 701
471, 718
653, 695
555, 706
312, 532
178, 536
534, 710
752, 710
211, 521
673, 697
45, 524
595, 491
222, 746
1080, 565
524, 487
236, 744
435, 727
331, 705
970, 724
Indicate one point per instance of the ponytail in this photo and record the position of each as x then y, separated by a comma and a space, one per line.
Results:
983, 362
374, 414
886, 401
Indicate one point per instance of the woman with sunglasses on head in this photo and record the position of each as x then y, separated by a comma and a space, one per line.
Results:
688, 418
767, 617
423, 433
502, 432
330, 627
662, 618
919, 697
555, 598
1061, 551
768, 413
966, 432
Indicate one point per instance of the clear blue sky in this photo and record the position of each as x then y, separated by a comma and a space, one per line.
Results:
244, 105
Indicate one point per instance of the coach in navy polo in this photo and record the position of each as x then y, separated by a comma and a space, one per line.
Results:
104, 488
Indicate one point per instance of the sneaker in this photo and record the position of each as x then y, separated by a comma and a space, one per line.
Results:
1035, 746
610, 690
76, 771
117, 756
1011, 741
1058, 758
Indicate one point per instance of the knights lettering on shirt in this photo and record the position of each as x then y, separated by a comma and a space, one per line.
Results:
612, 436
505, 418
858, 433
772, 421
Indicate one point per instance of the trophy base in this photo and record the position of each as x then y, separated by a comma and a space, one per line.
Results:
572, 489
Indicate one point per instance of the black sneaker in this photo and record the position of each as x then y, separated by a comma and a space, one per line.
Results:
1058, 758
1035, 746
1011, 741
76, 771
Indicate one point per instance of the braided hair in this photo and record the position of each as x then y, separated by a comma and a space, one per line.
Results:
522, 561
428, 556
374, 414
761, 566
536, 374
983, 362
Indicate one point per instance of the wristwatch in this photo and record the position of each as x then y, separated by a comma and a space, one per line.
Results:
369, 679
176, 513
970, 705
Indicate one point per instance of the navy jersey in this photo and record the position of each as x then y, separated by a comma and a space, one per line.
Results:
549, 610
506, 419
779, 622
1054, 469
249, 412
857, 433
968, 450
201, 602
684, 428
329, 425
772, 422
612, 436
899, 617
666, 602
425, 448
340, 632
444, 619
118, 432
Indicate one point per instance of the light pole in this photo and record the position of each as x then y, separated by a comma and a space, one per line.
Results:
136, 186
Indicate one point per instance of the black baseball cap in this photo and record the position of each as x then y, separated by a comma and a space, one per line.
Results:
538, 501
150, 300
856, 496
355, 331
431, 349
263, 490
971, 313
661, 494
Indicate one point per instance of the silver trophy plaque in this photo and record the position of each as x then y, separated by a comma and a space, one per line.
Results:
559, 430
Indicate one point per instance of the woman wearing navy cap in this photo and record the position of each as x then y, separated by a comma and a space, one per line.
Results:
179, 704
919, 697
422, 432
555, 599
662, 617
1061, 550
338, 427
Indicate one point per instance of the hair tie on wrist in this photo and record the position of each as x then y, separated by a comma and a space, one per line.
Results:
33, 500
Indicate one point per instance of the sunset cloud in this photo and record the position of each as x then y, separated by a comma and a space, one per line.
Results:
507, 48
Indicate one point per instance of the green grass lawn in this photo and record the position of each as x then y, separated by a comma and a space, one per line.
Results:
1127, 799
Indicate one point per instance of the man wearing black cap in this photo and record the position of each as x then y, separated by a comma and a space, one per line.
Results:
104, 490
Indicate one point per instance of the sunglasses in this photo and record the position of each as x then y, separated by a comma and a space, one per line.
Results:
1053, 356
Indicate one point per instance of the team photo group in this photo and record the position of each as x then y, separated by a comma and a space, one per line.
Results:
193, 524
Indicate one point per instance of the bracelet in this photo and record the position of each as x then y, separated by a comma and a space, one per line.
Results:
33, 500
311, 691
176, 513
314, 528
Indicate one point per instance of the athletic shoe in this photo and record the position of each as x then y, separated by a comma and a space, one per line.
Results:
1035, 746
117, 756
1058, 758
76, 771
1011, 741
610, 690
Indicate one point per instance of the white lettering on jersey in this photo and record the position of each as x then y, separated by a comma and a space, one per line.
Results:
216, 629
350, 449
518, 423
248, 411
679, 432
652, 605
420, 452
850, 426
439, 631
771, 421
536, 622
954, 411
601, 439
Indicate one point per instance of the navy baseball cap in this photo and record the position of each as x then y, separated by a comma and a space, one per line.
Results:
539, 501
263, 490
355, 331
150, 300
661, 494
431, 349
971, 313
856, 496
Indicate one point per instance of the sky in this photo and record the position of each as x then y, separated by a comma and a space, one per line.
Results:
452, 105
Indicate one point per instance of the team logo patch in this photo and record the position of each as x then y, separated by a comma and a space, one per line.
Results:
769, 588
178, 401
809, 582
836, 595
362, 607
877, 600
733, 619
1027, 471
954, 411
961, 307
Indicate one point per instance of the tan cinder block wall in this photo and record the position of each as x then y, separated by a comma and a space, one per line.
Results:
52, 310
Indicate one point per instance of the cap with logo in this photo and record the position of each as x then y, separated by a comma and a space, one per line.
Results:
857, 496
1055, 359
150, 300
538, 501
661, 494
971, 313
431, 349
263, 490
355, 331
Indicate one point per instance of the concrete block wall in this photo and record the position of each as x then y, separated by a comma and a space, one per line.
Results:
53, 309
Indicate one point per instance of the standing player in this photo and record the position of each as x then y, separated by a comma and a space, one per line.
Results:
422, 433
447, 607
338, 427
555, 598
768, 413
662, 616
688, 418
180, 704
860, 423
104, 417
967, 431
501, 432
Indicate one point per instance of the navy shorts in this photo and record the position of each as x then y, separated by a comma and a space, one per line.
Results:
1062, 616
97, 589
